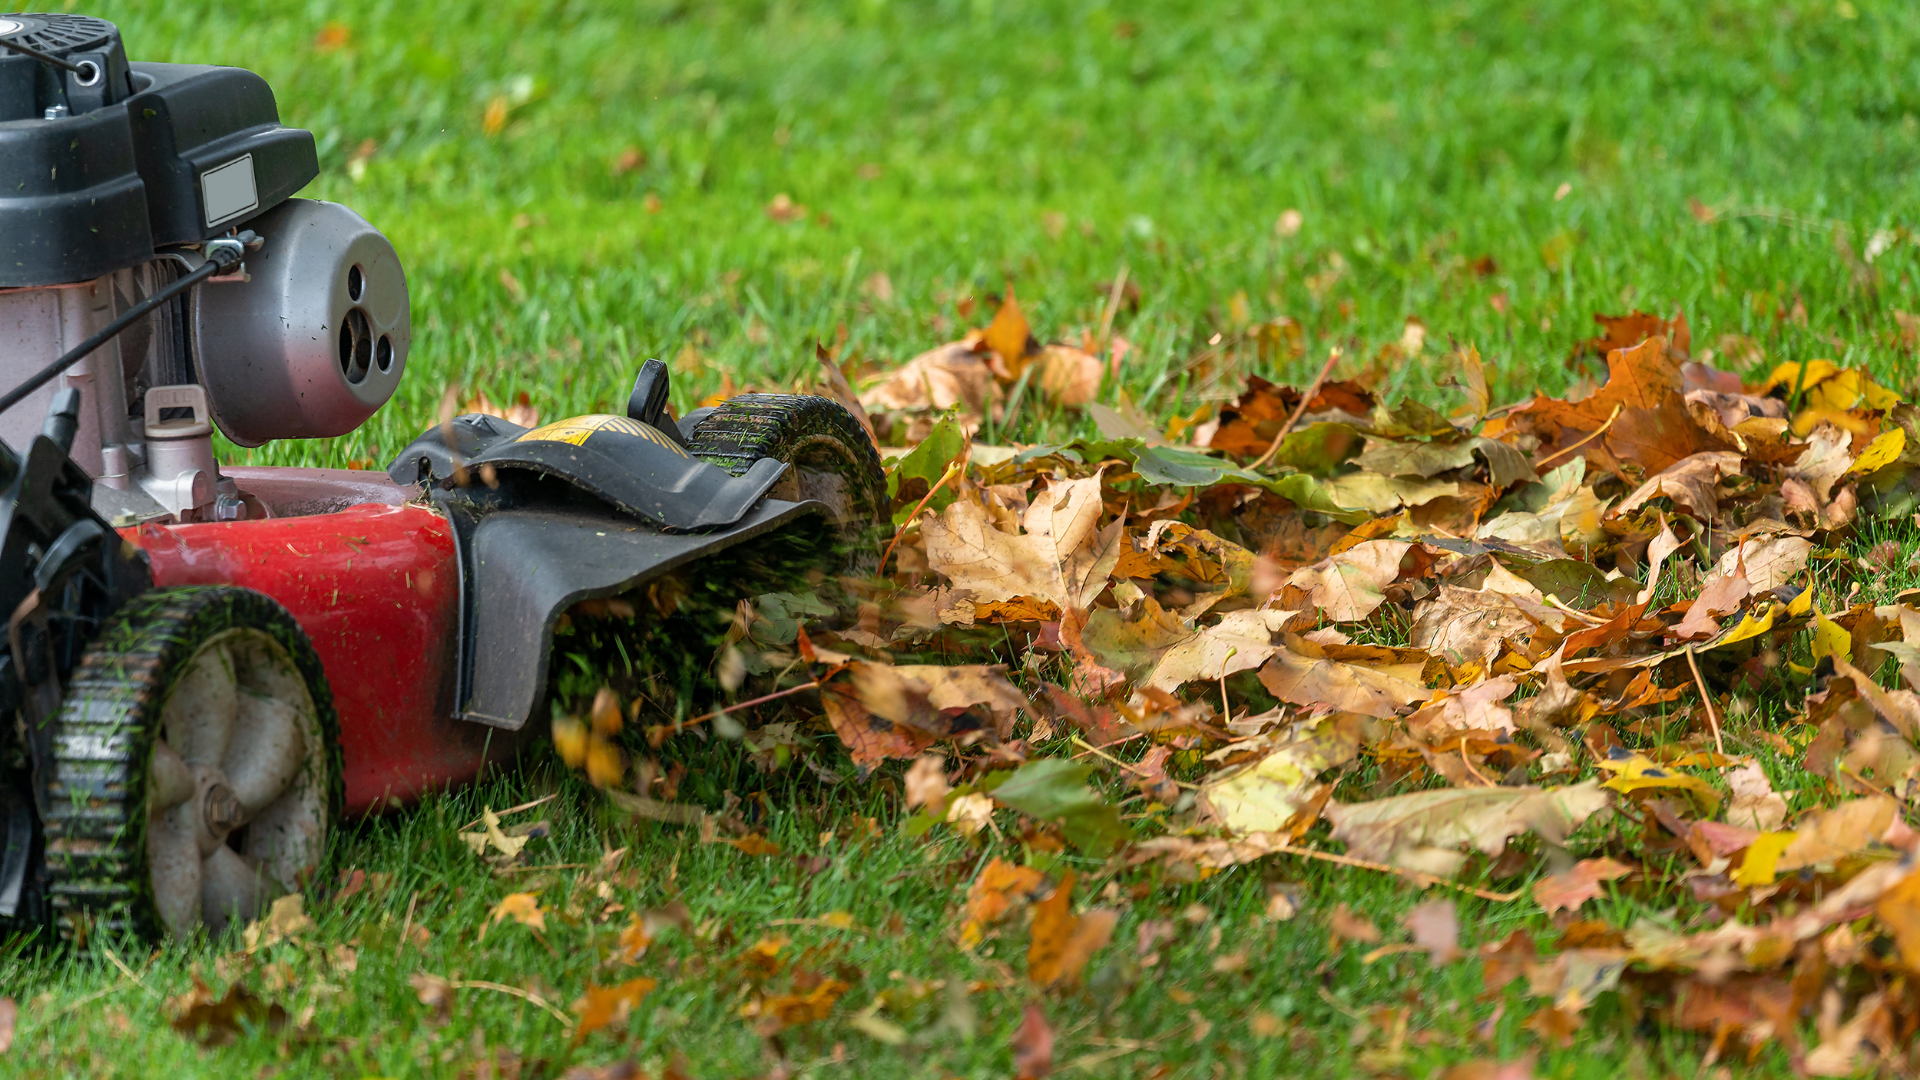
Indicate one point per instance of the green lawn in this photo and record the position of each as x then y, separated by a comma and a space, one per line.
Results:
1501, 172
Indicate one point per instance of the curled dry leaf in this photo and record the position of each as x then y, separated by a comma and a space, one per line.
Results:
1435, 927
1755, 805
1572, 888
938, 380
1689, 484
1466, 626
1426, 830
1348, 586
214, 1021
1060, 556
927, 782
1241, 641
1269, 794
1302, 673
285, 920
1770, 563
1344, 925
882, 710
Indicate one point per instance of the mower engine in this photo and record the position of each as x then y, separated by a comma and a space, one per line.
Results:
117, 179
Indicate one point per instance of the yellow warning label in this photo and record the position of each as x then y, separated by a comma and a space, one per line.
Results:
575, 431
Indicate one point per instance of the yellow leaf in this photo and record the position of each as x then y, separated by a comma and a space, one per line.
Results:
606, 712
1830, 639
1641, 773
1802, 603
1884, 450
1751, 626
495, 119
523, 908
1762, 857
570, 740
604, 764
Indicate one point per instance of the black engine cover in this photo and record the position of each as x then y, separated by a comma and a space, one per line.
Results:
95, 177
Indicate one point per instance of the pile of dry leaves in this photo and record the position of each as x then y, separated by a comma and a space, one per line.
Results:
1535, 653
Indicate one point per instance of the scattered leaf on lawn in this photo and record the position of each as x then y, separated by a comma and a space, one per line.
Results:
285, 920
1033, 1045
1426, 830
998, 887
1062, 941
214, 1021
606, 1006
1568, 890
523, 908
1435, 927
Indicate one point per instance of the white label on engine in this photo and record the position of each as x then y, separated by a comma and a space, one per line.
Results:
228, 191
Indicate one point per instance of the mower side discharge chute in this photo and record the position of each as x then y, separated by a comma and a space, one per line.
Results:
522, 568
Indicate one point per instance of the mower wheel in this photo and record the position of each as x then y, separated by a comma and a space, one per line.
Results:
197, 767
833, 460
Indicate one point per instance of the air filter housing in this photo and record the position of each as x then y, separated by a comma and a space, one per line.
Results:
101, 168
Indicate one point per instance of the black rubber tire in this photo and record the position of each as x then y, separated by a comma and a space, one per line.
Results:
96, 846
832, 456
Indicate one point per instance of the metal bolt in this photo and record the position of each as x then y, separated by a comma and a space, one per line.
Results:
222, 810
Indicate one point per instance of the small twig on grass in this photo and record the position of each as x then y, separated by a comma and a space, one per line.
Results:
1713, 714
1312, 391
1554, 601
1114, 761
406, 925
1468, 762
527, 996
1113, 306
1424, 880
748, 704
124, 969
820, 923
511, 810
1597, 432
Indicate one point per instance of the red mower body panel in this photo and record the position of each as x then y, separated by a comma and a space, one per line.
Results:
376, 587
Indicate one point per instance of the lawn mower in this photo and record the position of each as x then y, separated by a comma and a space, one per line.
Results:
207, 667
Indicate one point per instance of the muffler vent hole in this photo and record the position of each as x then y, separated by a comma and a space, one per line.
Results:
383, 353
356, 345
356, 283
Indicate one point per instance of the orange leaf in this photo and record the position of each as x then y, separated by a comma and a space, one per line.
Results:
601, 1006
1062, 941
1578, 885
754, 845
993, 894
1010, 337
634, 940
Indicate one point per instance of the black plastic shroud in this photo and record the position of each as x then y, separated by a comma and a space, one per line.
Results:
97, 178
